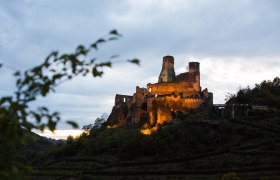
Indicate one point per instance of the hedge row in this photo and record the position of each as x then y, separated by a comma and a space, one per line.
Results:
255, 126
184, 172
166, 161
87, 159
257, 145
268, 153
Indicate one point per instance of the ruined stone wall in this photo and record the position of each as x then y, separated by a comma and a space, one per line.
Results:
160, 109
118, 116
194, 75
119, 99
210, 100
175, 103
139, 96
167, 73
156, 103
139, 113
185, 88
136, 115
182, 77
163, 115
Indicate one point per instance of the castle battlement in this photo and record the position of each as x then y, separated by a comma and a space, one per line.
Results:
157, 101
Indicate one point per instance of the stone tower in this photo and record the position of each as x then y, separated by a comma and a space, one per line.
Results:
157, 103
194, 74
167, 73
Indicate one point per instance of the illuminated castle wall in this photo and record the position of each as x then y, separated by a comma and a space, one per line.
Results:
157, 101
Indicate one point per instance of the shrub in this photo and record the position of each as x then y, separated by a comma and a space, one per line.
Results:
230, 176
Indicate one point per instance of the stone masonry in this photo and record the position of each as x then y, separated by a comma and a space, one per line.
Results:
155, 103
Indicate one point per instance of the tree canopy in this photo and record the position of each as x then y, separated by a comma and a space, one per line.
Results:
266, 93
15, 112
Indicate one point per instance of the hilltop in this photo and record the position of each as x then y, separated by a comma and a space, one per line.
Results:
188, 147
158, 103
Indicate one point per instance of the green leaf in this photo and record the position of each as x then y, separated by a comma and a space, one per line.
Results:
55, 114
17, 73
112, 38
5, 99
45, 89
28, 125
134, 61
36, 70
54, 54
30, 99
44, 109
94, 45
18, 82
74, 62
96, 73
42, 127
92, 60
73, 124
64, 57
100, 41
115, 32
81, 50
57, 76
51, 125
108, 64
114, 56
36, 116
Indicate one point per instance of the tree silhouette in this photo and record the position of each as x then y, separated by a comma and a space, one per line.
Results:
15, 114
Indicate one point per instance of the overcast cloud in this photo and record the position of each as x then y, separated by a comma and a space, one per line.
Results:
236, 42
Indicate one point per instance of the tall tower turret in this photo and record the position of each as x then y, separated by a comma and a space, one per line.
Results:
194, 74
167, 73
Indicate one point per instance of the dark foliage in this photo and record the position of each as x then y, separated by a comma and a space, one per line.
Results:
16, 115
189, 136
266, 93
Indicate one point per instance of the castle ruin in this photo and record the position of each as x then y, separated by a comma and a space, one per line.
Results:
156, 103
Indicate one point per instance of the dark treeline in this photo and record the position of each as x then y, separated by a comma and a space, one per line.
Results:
266, 93
189, 142
188, 133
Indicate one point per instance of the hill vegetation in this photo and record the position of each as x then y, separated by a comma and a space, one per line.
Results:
266, 93
189, 147
18, 116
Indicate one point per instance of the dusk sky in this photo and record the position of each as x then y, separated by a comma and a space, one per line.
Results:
237, 43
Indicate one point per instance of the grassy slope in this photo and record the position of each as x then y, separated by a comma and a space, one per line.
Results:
197, 150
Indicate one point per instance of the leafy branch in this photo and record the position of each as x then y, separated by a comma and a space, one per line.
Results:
15, 114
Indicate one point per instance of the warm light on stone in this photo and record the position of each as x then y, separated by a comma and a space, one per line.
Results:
156, 103
146, 131
110, 127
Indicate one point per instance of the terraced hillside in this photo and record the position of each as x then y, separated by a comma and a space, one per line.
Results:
213, 148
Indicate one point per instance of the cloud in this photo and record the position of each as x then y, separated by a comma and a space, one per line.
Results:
226, 75
197, 27
60, 134
236, 42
